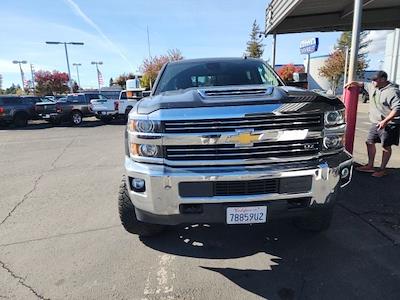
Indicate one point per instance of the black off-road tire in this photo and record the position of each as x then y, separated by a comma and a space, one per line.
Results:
21, 120
319, 220
76, 118
128, 216
127, 111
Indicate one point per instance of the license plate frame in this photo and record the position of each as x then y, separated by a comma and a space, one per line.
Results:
246, 215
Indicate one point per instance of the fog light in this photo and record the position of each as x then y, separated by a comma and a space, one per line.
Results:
138, 185
333, 142
345, 173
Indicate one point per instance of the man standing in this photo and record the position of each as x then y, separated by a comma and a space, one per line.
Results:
384, 113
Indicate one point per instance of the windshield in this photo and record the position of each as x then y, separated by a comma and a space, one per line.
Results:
181, 76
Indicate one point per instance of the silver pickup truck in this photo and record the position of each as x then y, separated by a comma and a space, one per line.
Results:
224, 141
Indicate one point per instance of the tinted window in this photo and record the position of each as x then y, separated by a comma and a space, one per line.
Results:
10, 100
180, 76
76, 98
32, 100
92, 96
123, 95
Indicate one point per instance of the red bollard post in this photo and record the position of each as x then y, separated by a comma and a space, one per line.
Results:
351, 102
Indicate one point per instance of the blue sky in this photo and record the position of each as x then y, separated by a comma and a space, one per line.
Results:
115, 33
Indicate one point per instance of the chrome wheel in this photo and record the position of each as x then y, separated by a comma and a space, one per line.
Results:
76, 118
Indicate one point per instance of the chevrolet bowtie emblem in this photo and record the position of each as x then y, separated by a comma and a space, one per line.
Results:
244, 138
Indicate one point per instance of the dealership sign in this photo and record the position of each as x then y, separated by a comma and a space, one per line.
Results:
309, 46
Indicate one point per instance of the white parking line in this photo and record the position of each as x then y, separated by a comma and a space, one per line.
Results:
160, 283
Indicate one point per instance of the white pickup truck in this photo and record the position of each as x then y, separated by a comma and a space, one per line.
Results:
111, 109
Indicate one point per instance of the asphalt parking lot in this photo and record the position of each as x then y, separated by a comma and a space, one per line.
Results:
61, 238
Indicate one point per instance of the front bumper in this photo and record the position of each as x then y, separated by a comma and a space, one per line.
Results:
162, 203
48, 116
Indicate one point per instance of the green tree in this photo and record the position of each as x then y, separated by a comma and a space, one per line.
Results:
334, 66
255, 48
12, 89
111, 82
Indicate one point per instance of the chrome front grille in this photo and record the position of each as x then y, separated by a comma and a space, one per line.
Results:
256, 122
264, 150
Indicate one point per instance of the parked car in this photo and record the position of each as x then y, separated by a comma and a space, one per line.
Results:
33, 100
109, 109
225, 141
73, 108
15, 110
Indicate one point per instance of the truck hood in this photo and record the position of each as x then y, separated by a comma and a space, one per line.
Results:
238, 96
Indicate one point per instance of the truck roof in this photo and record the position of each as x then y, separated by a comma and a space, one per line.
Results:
215, 59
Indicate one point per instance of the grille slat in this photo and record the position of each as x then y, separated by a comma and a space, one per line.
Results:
232, 149
313, 121
282, 125
239, 121
226, 151
255, 187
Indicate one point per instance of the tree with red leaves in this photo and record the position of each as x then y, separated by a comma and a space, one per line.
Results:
51, 83
153, 65
286, 71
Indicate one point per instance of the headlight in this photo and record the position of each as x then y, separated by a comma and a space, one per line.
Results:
148, 150
335, 117
332, 142
144, 126
145, 150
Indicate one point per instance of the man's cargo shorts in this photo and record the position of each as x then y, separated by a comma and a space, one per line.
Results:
388, 136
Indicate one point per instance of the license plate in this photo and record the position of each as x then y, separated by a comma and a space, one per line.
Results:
246, 215
46, 116
103, 113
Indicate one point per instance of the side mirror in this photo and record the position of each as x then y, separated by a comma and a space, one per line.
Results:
300, 77
146, 93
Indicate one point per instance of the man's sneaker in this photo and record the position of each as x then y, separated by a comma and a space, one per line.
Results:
379, 174
365, 169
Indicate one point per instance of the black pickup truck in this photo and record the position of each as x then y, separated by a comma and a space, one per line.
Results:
73, 108
18, 110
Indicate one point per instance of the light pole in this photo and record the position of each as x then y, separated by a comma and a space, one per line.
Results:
66, 55
21, 62
346, 62
76, 65
97, 63
33, 79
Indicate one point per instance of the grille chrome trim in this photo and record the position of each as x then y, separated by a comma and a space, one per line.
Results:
268, 122
270, 150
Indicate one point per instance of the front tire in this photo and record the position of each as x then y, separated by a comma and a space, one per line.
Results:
127, 111
128, 216
76, 118
317, 221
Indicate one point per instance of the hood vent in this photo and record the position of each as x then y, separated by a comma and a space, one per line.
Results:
235, 92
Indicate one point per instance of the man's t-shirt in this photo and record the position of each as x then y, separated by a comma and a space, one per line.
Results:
382, 101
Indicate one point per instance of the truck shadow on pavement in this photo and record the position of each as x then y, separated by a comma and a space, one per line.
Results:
352, 260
